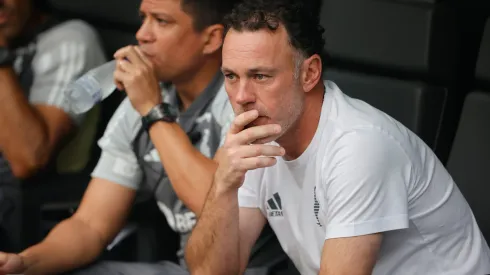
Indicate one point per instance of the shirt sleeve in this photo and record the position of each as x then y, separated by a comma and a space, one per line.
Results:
365, 185
249, 192
63, 54
118, 162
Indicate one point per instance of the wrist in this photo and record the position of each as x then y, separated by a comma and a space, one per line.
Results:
223, 189
28, 261
146, 108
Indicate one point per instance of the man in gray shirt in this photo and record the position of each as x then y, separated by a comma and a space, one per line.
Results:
38, 58
162, 138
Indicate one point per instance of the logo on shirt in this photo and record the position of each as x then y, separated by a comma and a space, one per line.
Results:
316, 207
274, 206
152, 156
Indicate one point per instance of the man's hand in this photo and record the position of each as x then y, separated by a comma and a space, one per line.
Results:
135, 74
239, 155
11, 264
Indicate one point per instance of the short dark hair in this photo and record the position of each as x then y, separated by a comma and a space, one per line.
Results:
207, 12
301, 19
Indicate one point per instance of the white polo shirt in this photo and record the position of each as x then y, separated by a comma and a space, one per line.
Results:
365, 173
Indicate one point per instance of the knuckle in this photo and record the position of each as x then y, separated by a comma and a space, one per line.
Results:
258, 150
235, 164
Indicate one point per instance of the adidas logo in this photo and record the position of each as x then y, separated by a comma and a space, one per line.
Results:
274, 206
316, 207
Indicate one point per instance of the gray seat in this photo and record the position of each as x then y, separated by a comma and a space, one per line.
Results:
416, 105
414, 38
469, 162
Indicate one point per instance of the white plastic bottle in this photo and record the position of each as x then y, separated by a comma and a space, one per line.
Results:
91, 88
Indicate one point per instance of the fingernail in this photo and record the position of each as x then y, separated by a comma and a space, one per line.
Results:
283, 151
278, 129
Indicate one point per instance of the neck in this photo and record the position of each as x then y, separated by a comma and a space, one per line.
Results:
299, 136
191, 87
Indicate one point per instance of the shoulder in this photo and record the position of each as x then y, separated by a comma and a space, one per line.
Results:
125, 123
365, 150
72, 30
221, 108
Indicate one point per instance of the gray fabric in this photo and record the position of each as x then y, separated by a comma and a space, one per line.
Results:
205, 133
122, 268
161, 268
56, 55
130, 159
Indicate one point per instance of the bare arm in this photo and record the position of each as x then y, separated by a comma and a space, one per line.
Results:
221, 243
135, 74
350, 256
78, 240
225, 234
30, 133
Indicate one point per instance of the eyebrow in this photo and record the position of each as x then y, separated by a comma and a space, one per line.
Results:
156, 14
252, 71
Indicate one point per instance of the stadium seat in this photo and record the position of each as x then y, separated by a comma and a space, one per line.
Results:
393, 37
469, 161
416, 105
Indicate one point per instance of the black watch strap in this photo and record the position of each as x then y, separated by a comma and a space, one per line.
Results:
161, 112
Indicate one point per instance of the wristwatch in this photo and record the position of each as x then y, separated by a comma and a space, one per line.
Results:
161, 112
7, 57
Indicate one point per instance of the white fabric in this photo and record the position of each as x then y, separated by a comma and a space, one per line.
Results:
365, 173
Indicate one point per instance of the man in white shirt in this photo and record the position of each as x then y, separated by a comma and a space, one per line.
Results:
346, 188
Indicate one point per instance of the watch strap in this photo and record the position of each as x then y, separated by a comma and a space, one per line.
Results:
161, 112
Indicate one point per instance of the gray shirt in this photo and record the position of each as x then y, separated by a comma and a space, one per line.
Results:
49, 62
129, 158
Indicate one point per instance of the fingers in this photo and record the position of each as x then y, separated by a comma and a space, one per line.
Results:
129, 53
143, 56
249, 164
242, 120
119, 77
252, 134
258, 150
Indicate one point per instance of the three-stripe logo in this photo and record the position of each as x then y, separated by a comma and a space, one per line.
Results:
274, 206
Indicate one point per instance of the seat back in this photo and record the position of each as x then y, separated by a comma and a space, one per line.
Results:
416, 105
469, 161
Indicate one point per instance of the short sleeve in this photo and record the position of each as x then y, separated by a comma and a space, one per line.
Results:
365, 185
63, 54
118, 162
249, 192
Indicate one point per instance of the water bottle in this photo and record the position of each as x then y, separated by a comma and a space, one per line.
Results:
91, 88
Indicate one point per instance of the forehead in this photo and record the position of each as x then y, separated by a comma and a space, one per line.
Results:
262, 47
157, 6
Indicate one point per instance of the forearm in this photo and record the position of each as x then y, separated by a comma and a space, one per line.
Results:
70, 245
214, 246
24, 136
190, 172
